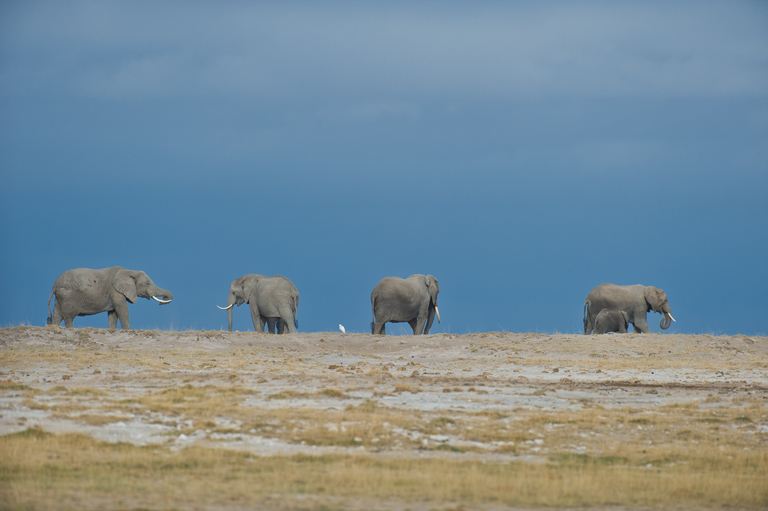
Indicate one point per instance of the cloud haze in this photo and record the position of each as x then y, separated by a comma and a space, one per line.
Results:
522, 152
425, 51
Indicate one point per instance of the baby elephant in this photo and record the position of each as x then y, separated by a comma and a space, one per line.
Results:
611, 320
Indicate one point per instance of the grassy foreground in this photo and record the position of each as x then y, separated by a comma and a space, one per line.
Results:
45, 471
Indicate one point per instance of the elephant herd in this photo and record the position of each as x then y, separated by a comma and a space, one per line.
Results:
274, 301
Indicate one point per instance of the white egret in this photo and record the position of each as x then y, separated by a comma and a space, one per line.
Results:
341, 328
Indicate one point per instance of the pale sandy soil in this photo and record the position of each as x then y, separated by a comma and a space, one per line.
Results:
506, 371
449, 385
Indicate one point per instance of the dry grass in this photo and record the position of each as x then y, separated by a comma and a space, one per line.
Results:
40, 470
422, 435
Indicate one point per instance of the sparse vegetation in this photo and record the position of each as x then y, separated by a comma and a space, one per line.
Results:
610, 434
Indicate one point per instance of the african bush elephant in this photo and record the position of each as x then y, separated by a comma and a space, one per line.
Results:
273, 301
83, 292
611, 320
412, 300
635, 300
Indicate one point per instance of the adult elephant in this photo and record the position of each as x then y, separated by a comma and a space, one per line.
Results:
412, 300
83, 292
273, 300
635, 300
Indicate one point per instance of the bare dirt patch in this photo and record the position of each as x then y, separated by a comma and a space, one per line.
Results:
679, 409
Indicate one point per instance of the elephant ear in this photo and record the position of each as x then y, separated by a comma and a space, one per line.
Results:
655, 298
248, 284
433, 288
125, 285
238, 288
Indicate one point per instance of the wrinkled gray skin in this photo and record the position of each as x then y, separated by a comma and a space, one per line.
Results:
273, 301
412, 300
611, 320
83, 292
635, 300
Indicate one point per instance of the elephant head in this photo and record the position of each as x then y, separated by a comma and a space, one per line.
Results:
239, 293
657, 302
135, 284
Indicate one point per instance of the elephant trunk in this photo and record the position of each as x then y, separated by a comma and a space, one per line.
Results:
666, 321
161, 295
231, 301
430, 319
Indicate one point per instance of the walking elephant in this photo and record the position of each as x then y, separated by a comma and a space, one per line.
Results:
83, 292
412, 300
273, 301
611, 320
635, 300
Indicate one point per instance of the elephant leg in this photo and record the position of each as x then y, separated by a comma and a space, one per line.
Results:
258, 320
68, 321
414, 323
622, 328
285, 321
641, 326
57, 316
112, 315
270, 324
379, 328
121, 310
421, 320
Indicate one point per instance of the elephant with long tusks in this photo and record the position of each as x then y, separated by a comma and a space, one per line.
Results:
635, 300
83, 292
274, 301
412, 300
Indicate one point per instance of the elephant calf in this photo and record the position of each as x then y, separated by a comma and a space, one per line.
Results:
611, 320
83, 292
412, 300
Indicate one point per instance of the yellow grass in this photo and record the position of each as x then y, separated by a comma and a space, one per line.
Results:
40, 470
703, 446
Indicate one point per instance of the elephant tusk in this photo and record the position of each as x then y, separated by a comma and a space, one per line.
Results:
438, 314
161, 301
227, 307
673, 319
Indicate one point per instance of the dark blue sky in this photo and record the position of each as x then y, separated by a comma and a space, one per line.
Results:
522, 153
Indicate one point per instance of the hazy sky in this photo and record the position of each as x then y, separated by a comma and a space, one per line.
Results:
521, 152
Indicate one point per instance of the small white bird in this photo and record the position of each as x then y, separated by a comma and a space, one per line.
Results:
341, 327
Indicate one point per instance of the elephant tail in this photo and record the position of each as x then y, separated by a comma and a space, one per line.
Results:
586, 315
50, 314
373, 312
296, 311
